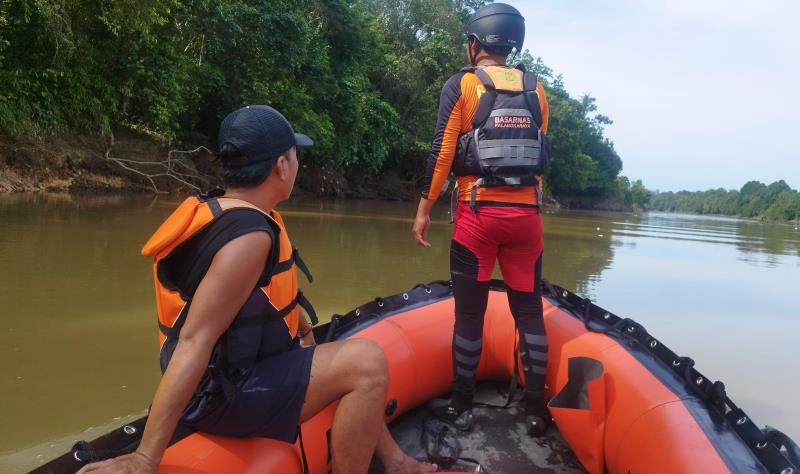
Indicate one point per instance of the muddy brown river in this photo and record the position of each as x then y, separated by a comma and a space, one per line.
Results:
78, 335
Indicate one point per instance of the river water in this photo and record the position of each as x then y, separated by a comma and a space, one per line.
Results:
78, 344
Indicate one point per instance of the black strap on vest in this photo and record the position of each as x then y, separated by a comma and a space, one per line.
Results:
295, 259
302, 265
216, 208
529, 88
306, 305
486, 102
486, 80
301, 300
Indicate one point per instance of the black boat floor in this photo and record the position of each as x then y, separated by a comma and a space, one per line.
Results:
498, 441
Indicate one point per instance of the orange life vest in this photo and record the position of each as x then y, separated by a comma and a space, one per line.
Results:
278, 301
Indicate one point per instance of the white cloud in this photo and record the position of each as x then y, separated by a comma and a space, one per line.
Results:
703, 94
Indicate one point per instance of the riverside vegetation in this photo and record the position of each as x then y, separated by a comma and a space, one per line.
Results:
95, 93
362, 77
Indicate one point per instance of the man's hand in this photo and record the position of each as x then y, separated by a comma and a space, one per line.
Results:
133, 463
422, 222
420, 230
305, 332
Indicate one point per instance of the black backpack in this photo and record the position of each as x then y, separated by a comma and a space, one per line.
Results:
506, 146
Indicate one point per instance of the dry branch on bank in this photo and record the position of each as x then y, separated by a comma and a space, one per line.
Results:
176, 169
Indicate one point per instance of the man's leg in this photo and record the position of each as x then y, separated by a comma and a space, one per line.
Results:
521, 264
354, 372
526, 307
471, 297
472, 256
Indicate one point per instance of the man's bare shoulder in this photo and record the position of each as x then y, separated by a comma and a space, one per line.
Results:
244, 250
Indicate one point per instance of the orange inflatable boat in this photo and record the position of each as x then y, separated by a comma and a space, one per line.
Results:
622, 401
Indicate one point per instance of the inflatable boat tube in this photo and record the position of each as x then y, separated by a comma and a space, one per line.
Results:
622, 400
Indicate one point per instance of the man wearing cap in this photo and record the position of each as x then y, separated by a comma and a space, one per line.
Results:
497, 216
230, 320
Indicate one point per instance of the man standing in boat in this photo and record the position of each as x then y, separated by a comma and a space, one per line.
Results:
230, 320
491, 134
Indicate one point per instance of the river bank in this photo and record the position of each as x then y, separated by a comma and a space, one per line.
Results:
88, 164
134, 163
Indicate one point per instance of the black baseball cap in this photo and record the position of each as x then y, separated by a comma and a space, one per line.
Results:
260, 133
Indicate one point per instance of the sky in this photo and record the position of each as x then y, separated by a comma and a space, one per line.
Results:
703, 93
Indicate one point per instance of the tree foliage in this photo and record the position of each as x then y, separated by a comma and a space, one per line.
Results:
776, 201
631, 194
177, 67
362, 77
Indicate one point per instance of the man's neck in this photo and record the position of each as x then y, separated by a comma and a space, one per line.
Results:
492, 60
261, 198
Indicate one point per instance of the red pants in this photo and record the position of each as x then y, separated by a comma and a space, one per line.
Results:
510, 235
513, 236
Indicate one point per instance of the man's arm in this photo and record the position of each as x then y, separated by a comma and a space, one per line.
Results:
445, 139
545, 108
230, 279
440, 160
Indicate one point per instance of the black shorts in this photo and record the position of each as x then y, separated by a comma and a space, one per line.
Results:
266, 401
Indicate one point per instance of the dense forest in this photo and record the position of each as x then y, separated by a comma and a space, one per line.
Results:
361, 77
774, 202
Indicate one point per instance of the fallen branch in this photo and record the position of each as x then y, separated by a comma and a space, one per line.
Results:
164, 169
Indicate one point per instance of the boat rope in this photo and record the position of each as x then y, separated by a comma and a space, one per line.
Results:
437, 448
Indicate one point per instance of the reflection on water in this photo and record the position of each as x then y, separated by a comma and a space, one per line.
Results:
757, 243
579, 248
77, 322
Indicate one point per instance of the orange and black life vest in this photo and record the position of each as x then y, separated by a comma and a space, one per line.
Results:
506, 145
268, 321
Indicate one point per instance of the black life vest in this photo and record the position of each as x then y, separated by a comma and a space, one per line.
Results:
506, 146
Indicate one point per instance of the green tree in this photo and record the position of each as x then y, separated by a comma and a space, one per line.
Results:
785, 208
776, 201
640, 196
362, 77
423, 46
